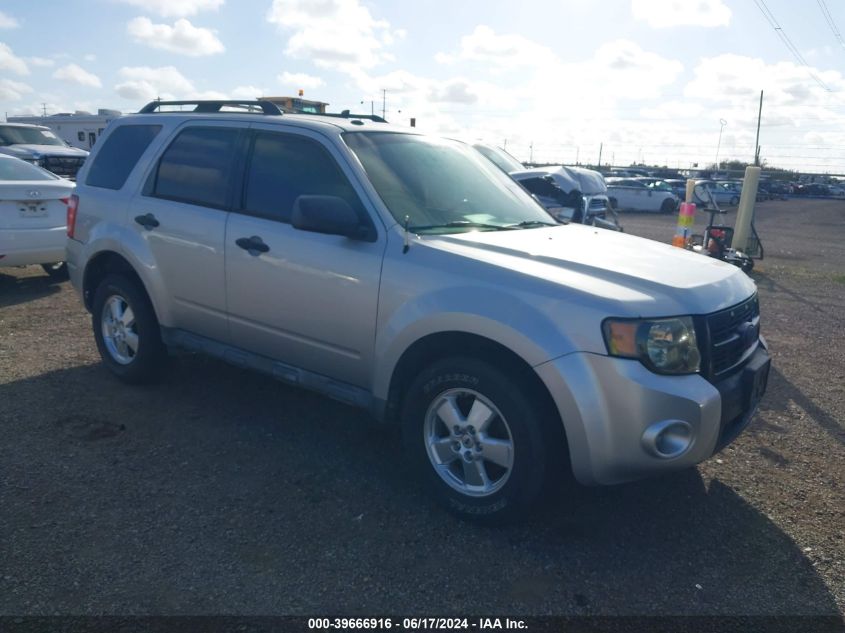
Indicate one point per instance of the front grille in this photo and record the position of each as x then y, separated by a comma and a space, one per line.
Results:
729, 336
63, 165
598, 204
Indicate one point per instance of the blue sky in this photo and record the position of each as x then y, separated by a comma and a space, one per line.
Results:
650, 79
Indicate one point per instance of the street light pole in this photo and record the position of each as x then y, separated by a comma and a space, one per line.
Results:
722, 124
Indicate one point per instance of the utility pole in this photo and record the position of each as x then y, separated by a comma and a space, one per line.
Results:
601, 147
577, 151
757, 142
44, 108
722, 124
531, 152
383, 103
506, 145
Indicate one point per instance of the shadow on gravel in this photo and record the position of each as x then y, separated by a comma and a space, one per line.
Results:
221, 491
15, 290
781, 392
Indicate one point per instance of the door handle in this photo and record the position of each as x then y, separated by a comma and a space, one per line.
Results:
148, 221
252, 244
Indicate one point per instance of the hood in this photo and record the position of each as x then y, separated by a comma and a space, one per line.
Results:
631, 276
32, 151
587, 181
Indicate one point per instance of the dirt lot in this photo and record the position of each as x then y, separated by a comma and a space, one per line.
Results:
222, 491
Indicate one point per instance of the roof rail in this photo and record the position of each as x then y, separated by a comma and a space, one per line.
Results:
216, 105
347, 115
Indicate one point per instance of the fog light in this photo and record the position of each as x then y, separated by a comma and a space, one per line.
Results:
668, 439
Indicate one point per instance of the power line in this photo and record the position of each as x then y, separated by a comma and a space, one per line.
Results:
770, 18
830, 22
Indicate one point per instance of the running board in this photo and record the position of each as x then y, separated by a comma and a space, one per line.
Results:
335, 389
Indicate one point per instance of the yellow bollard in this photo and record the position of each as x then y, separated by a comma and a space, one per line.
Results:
745, 211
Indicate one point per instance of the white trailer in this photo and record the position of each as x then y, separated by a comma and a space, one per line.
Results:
77, 129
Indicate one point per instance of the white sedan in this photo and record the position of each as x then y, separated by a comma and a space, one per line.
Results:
634, 195
33, 216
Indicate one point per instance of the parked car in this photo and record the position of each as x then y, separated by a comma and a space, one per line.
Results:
724, 194
38, 145
633, 195
836, 190
570, 194
33, 202
813, 189
678, 186
407, 275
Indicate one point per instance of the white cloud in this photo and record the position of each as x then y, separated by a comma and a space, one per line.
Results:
660, 14
246, 92
183, 37
8, 22
300, 80
78, 75
90, 57
11, 62
502, 51
176, 8
454, 91
41, 61
333, 33
143, 83
13, 90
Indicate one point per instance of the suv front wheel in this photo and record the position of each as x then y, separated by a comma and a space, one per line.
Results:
476, 437
126, 330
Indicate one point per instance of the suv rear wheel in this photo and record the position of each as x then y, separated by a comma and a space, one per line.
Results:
126, 330
474, 435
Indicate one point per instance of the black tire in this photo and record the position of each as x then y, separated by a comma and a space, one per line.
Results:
56, 271
148, 359
525, 423
614, 203
668, 206
734, 201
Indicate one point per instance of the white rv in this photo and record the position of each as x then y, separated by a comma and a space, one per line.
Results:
78, 129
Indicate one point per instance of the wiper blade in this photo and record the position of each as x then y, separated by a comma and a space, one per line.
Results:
461, 224
528, 223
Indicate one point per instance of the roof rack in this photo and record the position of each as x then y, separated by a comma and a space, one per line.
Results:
216, 105
347, 115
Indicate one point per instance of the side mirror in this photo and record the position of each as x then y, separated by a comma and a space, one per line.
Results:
330, 215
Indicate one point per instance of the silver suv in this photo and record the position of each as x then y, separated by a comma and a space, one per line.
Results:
407, 275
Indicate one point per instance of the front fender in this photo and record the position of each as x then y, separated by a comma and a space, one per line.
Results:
498, 316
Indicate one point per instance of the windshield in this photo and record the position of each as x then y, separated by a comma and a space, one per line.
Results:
14, 169
442, 186
500, 158
13, 135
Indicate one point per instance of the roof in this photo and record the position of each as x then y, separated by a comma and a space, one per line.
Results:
13, 124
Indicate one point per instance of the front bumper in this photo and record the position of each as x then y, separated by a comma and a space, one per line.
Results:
610, 408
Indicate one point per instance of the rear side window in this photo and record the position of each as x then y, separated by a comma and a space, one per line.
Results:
119, 154
284, 167
196, 168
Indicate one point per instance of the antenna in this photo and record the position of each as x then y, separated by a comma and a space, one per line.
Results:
407, 244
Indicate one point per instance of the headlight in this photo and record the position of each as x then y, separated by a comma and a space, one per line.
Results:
666, 346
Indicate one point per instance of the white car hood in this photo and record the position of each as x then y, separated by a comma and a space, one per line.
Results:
586, 181
27, 150
640, 277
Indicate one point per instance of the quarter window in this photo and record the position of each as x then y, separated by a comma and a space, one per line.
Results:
197, 167
283, 167
119, 154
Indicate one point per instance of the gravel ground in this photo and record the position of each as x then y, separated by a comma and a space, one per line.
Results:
222, 491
